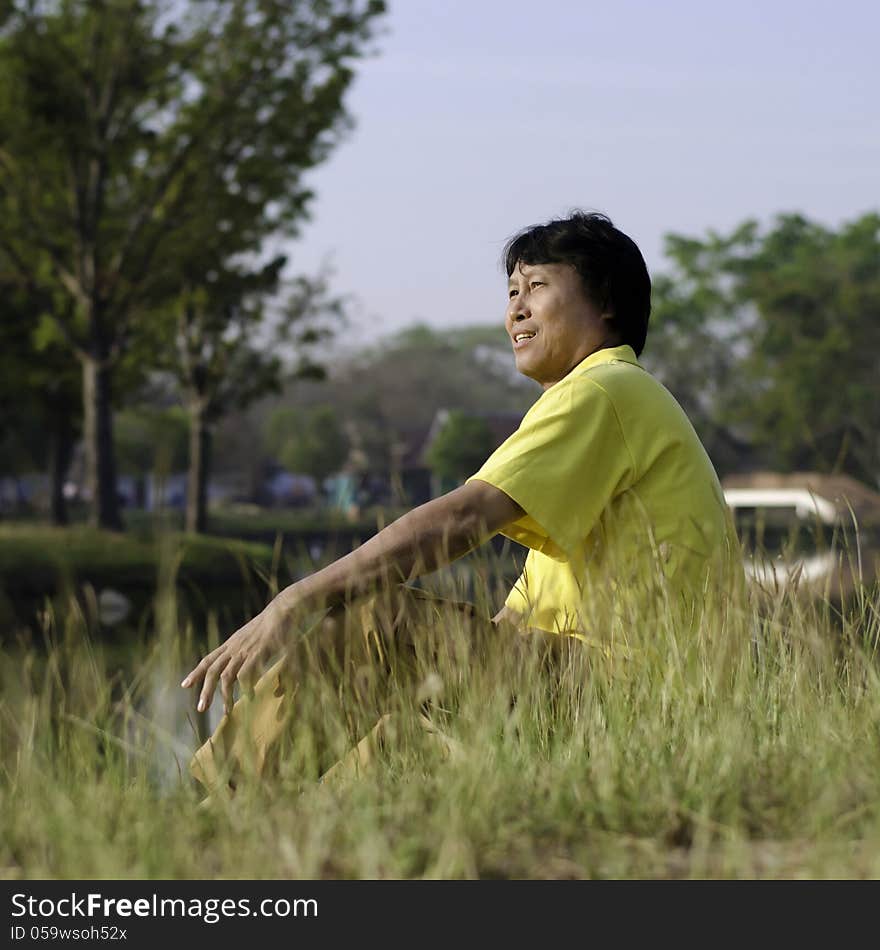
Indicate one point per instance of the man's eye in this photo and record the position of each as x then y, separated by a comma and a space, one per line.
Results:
536, 283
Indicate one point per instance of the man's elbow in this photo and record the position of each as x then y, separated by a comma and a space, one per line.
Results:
484, 510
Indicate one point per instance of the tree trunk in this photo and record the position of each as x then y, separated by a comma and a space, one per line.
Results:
60, 451
199, 466
140, 491
100, 459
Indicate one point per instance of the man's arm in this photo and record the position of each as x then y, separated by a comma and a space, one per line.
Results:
428, 537
507, 615
424, 539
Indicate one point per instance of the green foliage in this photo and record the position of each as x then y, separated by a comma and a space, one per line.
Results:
40, 560
227, 353
151, 439
406, 380
769, 337
460, 447
389, 394
201, 117
40, 409
149, 150
813, 353
310, 441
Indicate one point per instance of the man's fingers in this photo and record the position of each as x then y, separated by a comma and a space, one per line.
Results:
247, 672
198, 672
227, 681
226, 663
210, 684
194, 675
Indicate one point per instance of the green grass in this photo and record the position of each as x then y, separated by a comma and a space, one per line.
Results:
41, 563
241, 520
34, 557
746, 748
39, 560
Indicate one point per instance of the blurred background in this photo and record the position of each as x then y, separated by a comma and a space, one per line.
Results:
251, 290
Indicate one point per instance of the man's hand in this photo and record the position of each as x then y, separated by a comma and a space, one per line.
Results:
428, 537
239, 657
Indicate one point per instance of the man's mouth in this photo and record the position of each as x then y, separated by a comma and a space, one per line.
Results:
522, 338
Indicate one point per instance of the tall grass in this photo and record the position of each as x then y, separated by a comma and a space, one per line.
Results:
747, 747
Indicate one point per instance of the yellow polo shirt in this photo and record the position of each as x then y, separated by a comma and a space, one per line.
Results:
621, 500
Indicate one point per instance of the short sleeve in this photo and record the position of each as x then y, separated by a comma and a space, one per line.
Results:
564, 465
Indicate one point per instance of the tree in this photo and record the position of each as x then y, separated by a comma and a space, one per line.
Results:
218, 365
125, 124
312, 441
460, 447
388, 395
697, 338
151, 440
812, 359
769, 339
39, 417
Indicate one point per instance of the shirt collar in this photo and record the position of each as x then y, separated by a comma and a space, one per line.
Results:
608, 354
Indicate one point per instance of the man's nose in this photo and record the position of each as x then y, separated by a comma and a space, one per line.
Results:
518, 311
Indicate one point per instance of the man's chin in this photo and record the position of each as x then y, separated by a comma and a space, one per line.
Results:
525, 368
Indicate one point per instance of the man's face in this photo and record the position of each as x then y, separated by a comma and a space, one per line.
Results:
551, 322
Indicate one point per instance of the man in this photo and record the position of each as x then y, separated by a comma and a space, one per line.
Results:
605, 481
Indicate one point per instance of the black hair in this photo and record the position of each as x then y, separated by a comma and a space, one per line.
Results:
610, 265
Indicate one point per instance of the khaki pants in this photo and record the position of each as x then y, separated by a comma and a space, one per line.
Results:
373, 652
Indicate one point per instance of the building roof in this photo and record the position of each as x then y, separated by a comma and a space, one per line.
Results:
842, 492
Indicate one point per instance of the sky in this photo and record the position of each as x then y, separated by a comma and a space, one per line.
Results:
476, 118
